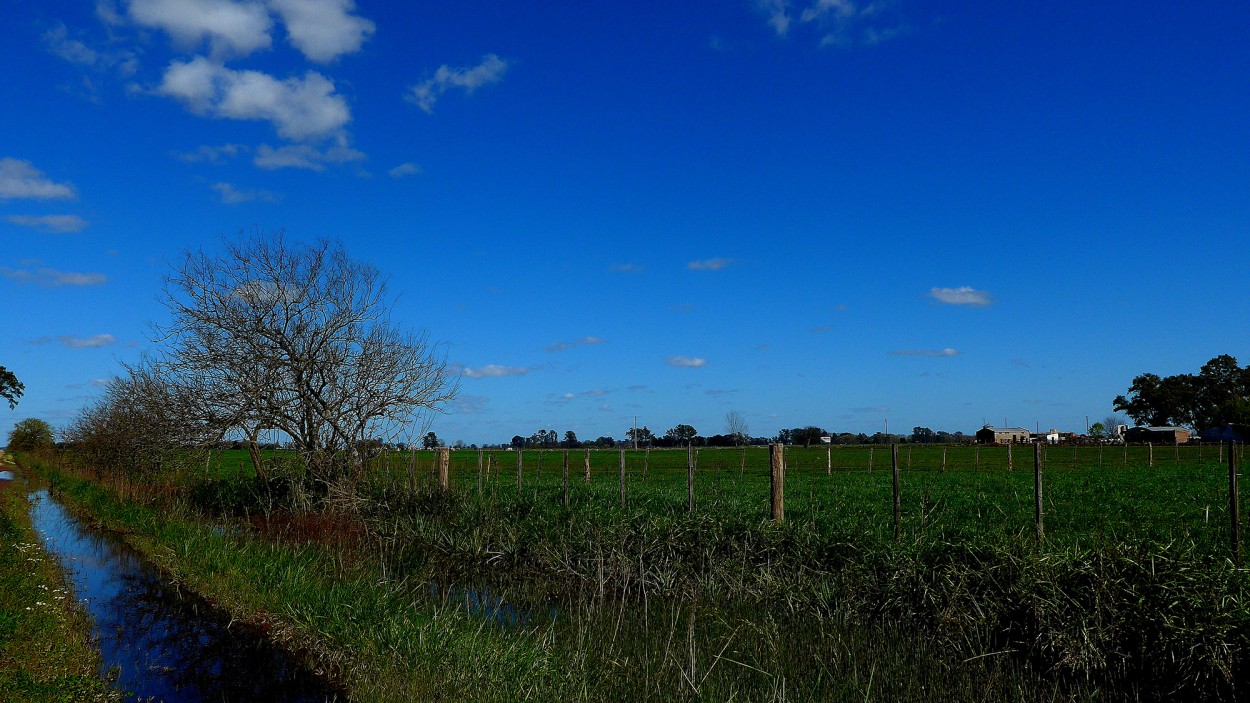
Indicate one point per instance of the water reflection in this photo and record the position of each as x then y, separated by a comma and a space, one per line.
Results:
486, 604
162, 644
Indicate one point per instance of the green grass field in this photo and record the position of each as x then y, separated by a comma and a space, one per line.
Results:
1132, 594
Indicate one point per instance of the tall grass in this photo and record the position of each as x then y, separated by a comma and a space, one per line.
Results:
1131, 596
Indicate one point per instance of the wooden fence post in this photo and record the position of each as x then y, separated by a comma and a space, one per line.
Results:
1234, 503
622, 478
479, 472
898, 505
944, 459
444, 465
870, 458
586, 479
1010, 464
776, 484
690, 476
1150, 454
828, 459
977, 449
1037, 488
1126, 453
646, 462
566, 478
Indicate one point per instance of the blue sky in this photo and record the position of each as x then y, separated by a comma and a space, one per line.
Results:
833, 212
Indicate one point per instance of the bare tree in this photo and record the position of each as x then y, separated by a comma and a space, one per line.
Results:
297, 338
736, 426
140, 423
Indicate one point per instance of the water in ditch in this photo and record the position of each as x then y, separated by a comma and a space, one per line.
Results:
158, 643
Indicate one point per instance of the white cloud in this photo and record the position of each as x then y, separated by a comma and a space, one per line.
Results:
211, 154
20, 179
233, 196
469, 79
690, 362
709, 264
300, 108
494, 371
927, 352
405, 169
52, 278
323, 30
99, 340
59, 224
964, 295
304, 156
231, 28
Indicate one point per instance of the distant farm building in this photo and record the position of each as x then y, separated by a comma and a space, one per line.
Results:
1002, 435
1051, 437
1158, 435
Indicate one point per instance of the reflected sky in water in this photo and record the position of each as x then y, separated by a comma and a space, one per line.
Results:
165, 645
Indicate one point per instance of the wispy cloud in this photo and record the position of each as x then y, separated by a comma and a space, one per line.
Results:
564, 398
927, 352
964, 295
211, 154
52, 278
75, 51
93, 342
561, 346
467, 78
469, 404
626, 268
871, 410
58, 224
231, 195
93, 383
304, 156
837, 22
822, 329
405, 169
709, 264
778, 12
492, 371
689, 362
20, 179
301, 109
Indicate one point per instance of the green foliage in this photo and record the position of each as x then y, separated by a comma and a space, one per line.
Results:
1218, 395
10, 388
29, 435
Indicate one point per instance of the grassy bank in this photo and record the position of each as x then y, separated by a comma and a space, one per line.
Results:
46, 653
367, 613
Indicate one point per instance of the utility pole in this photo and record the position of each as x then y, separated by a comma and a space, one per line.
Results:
635, 432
